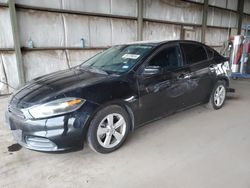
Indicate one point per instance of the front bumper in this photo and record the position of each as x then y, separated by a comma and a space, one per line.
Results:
59, 133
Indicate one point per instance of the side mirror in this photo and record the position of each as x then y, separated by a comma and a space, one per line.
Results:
151, 70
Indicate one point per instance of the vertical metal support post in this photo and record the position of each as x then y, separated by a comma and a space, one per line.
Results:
139, 19
182, 33
240, 15
16, 38
204, 21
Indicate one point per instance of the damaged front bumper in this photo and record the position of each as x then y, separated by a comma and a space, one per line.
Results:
65, 132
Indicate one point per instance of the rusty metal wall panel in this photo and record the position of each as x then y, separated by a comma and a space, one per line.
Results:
76, 27
58, 30
77, 57
218, 3
216, 37
124, 7
100, 31
221, 18
45, 29
247, 6
173, 10
8, 60
158, 31
3, 78
120, 31
41, 3
123, 31
38, 63
192, 33
246, 20
232, 4
107, 32
214, 17
229, 19
6, 39
100, 6
117, 7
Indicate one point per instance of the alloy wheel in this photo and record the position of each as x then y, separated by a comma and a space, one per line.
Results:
219, 95
111, 130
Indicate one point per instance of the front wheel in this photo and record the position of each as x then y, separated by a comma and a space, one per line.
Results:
109, 129
218, 96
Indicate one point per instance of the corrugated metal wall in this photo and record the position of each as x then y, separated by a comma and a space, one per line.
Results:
56, 28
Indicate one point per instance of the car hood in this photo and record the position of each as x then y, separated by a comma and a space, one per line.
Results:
55, 85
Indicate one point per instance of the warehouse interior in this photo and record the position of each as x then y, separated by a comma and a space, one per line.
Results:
194, 148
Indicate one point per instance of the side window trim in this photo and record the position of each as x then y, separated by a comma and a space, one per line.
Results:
209, 48
183, 55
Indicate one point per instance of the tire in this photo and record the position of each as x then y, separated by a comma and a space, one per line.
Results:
104, 136
217, 99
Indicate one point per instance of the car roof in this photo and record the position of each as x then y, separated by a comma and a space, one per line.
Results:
161, 42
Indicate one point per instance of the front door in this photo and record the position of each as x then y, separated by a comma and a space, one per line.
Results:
162, 93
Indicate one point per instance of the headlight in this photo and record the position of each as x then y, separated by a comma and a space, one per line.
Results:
56, 107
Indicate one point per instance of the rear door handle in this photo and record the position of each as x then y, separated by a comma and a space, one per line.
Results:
184, 76
212, 67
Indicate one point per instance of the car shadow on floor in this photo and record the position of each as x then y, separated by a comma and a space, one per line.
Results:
233, 97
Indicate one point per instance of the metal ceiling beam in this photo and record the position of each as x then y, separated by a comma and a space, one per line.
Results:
64, 48
17, 46
204, 21
74, 12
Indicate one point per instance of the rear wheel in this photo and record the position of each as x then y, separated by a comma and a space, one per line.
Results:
109, 129
218, 96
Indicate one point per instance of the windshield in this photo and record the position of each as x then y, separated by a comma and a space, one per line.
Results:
118, 59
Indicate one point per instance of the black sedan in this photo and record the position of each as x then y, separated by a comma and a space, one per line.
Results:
108, 96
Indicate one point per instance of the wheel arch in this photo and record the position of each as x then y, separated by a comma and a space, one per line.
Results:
225, 79
218, 78
121, 104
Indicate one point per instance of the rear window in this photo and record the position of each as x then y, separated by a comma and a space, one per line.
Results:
194, 53
218, 57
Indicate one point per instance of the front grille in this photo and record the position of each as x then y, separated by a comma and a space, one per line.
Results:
16, 111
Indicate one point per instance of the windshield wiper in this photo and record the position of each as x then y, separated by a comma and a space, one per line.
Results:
93, 69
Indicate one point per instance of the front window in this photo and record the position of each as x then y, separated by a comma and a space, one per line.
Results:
168, 59
118, 59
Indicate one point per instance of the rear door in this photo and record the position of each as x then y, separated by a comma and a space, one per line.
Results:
200, 80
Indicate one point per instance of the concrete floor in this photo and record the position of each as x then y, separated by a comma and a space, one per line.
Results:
193, 149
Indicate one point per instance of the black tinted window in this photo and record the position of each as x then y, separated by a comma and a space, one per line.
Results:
168, 59
217, 57
194, 53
